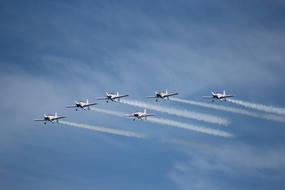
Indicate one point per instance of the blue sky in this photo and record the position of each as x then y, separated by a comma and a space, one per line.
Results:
54, 52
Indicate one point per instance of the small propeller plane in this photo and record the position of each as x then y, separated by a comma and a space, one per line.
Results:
114, 97
163, 95
50, 118
81, 104
219, 96
140, 115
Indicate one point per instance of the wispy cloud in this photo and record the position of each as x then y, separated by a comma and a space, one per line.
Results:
227, 163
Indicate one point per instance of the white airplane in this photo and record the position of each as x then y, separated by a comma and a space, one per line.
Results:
114, 97
163, 95
50, 118
81, 104
140, 115
219, 96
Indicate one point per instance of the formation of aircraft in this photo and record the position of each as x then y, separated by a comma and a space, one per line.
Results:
140, 115
219, 96
162, 95
114, 97
50, 118
81, 104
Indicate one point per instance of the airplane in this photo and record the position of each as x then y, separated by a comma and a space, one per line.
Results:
82, 105
219, 96
50, 118
140, 115
114, 97
163, 95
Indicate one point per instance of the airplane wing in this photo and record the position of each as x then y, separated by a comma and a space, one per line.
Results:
60, 117
149, 115
207, 96
121, 96
129, 115
171, 94
71, 106
39, 120
92, 104
151, 97
229, 96
102, 98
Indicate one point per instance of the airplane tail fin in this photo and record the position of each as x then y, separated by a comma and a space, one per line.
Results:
107, 93
166, 92
117, 93
224, 92
144, 111
213, 93
55, 114
87, 101
45, 115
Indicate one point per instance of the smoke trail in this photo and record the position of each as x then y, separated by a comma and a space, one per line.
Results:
104, 129
177, 112
232, 110
259, 107
177, 124
110, 112
171, 123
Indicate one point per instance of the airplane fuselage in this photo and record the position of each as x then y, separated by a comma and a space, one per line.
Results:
160, 95
49, 118
81, 104
113, 97
139, 115
218, 96
221, 96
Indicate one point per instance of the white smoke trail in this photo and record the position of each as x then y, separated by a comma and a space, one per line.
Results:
104, 129
177, 124
259, 107
232, 110
110, 112
182, 113
171, 123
